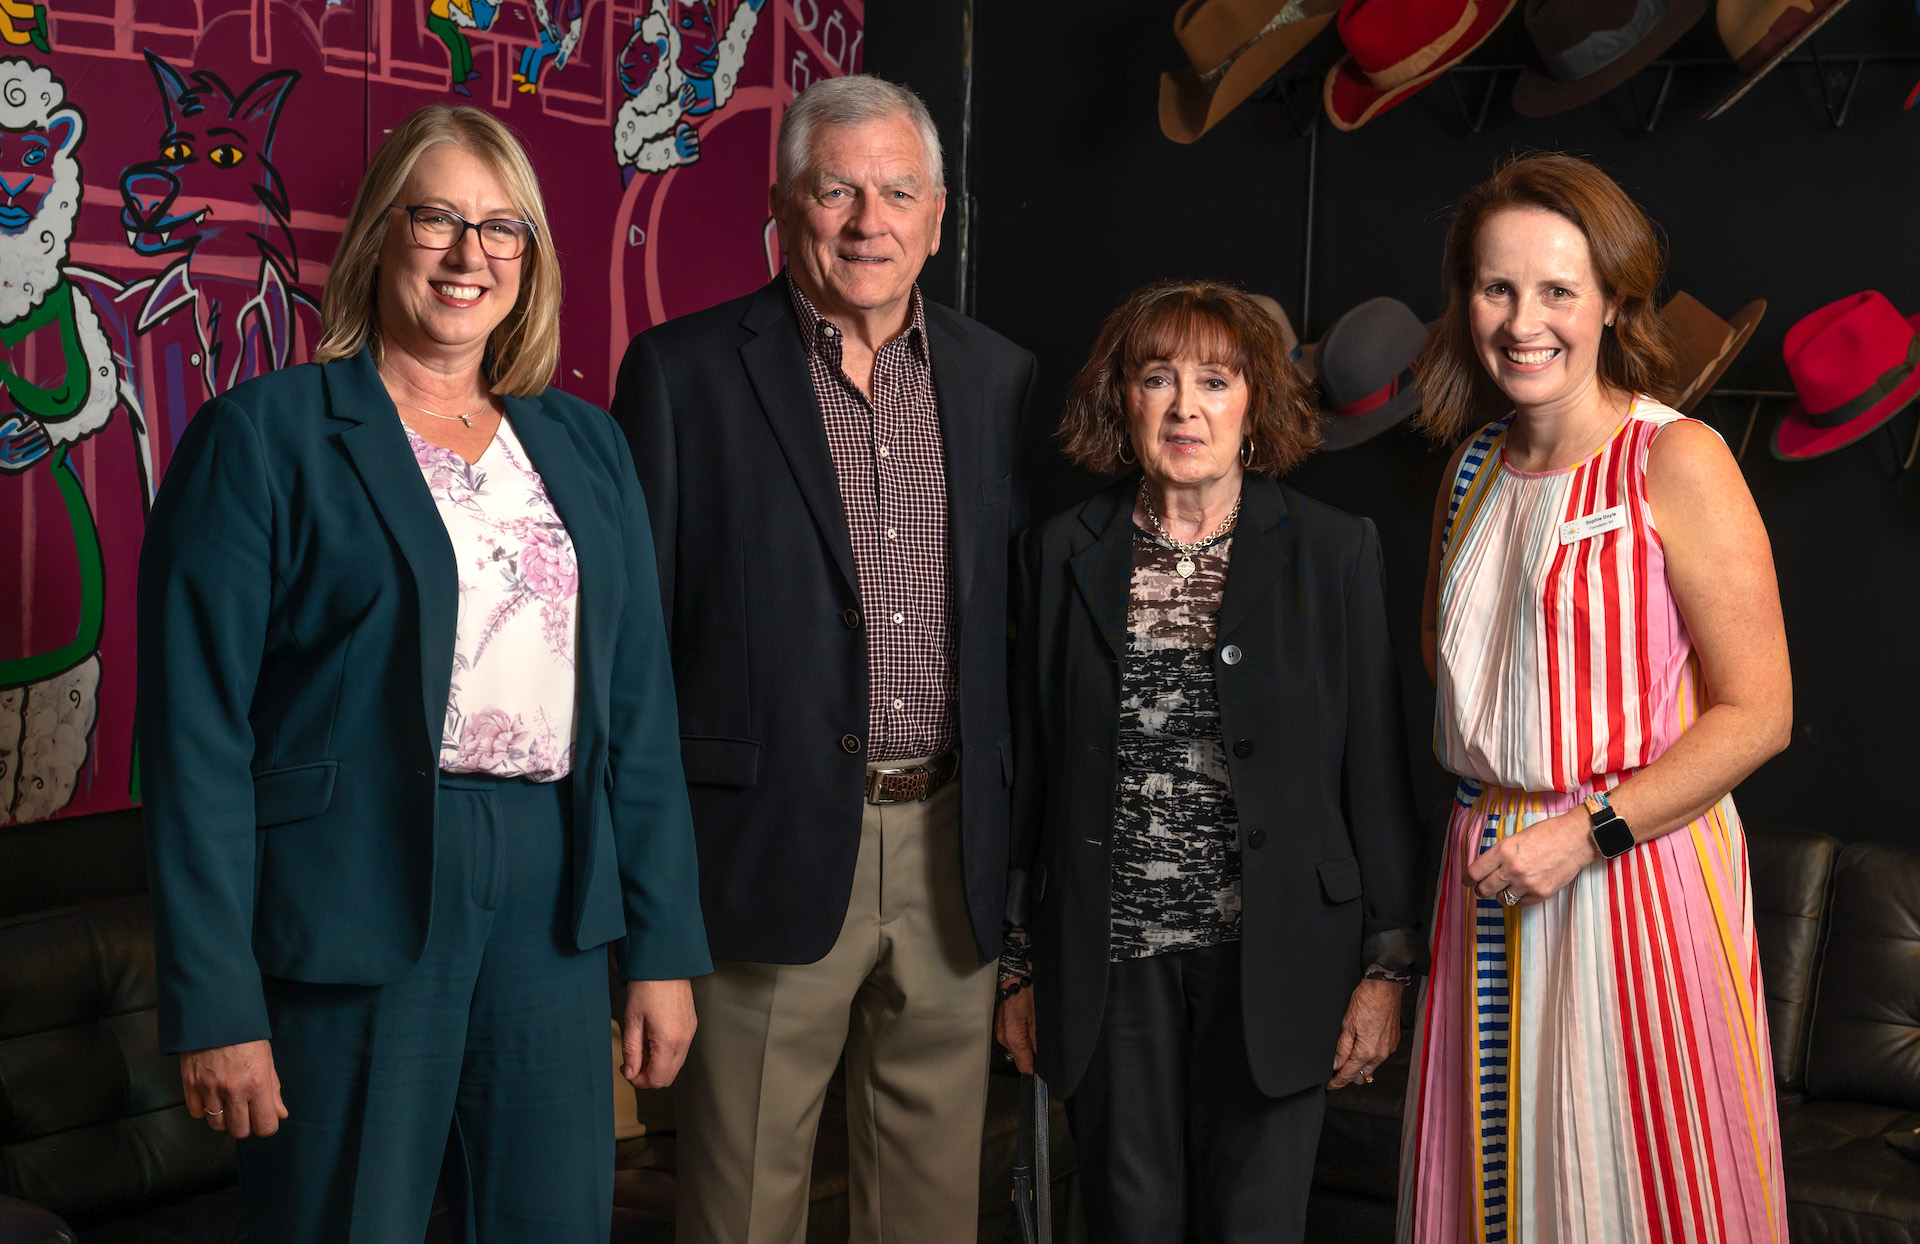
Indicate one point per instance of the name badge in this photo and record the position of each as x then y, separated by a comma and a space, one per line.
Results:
1597, 524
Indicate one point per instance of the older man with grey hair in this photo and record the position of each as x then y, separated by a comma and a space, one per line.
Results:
829, 469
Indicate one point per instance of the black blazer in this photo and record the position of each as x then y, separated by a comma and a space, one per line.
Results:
1310, 711
298, 599
764, 615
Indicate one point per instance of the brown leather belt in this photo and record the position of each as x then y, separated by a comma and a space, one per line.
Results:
908, 782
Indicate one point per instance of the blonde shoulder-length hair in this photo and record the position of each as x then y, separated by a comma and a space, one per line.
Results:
524, 351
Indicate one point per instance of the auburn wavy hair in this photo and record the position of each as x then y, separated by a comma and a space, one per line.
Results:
1637, 354
1208, 320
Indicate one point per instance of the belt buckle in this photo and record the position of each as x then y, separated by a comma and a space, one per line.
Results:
876, 784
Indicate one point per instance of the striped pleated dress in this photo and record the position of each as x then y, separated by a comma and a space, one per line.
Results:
1594, 1067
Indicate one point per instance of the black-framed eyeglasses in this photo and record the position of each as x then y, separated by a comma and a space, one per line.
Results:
440, 229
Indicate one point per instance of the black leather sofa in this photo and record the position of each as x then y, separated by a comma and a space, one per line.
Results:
1839, 933
96, 1146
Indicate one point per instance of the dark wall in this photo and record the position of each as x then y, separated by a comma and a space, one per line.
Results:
1082, 199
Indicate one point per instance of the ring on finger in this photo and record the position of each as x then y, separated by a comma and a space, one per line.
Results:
1508, 897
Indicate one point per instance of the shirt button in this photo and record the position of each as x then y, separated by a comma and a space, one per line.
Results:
1257, 839
1243, 748
850, 743
899, 617
1231, 654
883, 451
828, 329
899, 703
890, 533
852, 618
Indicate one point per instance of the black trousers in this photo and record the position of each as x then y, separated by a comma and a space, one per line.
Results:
1175, 1140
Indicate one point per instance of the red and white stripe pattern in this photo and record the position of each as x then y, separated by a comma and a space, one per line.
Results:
1636, 1095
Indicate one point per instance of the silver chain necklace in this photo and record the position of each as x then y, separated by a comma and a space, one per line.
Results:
1187, 548
466, 418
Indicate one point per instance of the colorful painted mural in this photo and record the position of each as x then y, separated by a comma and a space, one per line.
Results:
174, 175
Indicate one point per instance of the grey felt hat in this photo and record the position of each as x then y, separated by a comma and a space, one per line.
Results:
1365, 363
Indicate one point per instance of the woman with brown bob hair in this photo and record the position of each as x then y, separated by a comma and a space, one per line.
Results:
1214, 838
1604, 631
408, 726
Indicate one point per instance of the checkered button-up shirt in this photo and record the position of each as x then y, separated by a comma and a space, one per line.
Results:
888, 455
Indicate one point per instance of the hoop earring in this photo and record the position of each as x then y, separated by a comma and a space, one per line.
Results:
1123, 448
1246, 452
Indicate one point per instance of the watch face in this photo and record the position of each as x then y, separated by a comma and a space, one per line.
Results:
1613, 838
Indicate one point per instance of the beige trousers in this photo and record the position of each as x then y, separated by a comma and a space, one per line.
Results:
903, 992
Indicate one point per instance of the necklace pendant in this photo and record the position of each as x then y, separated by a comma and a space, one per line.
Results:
467, 419
1186, 567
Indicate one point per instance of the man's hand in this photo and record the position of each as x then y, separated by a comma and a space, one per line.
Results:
1369, 1032
234, 1088
1013, 1028
656, 1032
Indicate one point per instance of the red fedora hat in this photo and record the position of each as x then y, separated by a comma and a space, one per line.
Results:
1395, 47
1855, 364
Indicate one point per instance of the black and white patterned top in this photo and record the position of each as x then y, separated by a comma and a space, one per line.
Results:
1175, 856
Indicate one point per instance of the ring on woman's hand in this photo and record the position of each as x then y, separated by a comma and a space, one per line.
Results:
213, 1114
1508, 897
1366, 1079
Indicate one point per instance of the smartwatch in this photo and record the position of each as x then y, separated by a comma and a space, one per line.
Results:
1611, 834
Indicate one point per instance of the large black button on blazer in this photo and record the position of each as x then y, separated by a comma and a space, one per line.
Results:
1310, 700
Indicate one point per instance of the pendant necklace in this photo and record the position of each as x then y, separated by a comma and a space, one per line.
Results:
466, 418
1187, 548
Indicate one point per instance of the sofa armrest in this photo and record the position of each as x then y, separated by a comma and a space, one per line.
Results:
22, 1222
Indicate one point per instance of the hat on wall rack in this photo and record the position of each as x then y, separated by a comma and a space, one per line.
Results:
1289, 340
1759, 34
1395, 47
1588, 47
1365, 363
1855, 364
1707, 344
1232, 46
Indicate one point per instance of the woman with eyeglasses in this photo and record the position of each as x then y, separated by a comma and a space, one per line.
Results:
409, 739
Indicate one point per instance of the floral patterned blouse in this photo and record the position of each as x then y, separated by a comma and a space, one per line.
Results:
510, 711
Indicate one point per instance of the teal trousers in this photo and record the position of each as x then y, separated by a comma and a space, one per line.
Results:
488, 1061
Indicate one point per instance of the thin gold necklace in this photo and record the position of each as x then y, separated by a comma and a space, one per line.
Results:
1187, 548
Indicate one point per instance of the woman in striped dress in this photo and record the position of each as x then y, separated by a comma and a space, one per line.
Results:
1590, 1061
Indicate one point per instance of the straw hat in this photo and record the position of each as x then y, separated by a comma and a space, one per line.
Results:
1708, 344
1761, 33
1232, 46
1395, 47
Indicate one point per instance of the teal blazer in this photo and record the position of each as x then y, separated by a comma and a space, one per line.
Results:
297, 600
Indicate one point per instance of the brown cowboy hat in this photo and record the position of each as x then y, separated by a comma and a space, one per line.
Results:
1759, 34
1395, 47
1232, 46
1588, 47
1707, 344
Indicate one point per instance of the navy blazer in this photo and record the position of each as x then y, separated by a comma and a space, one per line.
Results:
297, 600
769, 632
1310, 713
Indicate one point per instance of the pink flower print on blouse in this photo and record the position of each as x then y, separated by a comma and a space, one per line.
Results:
547, 562
490, 741
449, 476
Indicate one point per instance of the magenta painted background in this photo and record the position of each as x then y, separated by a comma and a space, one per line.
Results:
173, 178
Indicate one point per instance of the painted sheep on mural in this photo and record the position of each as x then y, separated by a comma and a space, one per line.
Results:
62, 385
676, 66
